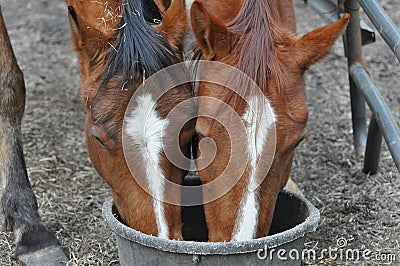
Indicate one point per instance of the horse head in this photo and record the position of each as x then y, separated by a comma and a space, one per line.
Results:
261, 43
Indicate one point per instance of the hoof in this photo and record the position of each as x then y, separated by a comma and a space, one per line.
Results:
50, 256
34, 240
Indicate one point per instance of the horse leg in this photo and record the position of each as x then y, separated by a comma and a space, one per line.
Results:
18, 203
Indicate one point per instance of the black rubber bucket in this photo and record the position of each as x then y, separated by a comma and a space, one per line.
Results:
294, 218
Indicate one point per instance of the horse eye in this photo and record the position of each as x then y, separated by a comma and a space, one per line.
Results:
95, 134
99, 140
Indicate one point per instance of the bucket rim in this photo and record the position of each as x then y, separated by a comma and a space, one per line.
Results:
214, 248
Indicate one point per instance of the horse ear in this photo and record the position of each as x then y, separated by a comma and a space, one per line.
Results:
317, 44
100, 16
212, 36
74, 22
174, 26
163, 5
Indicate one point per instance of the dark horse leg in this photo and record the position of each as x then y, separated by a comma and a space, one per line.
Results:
18, 203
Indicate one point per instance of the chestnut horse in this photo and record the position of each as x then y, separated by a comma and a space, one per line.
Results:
120, 44
260, 41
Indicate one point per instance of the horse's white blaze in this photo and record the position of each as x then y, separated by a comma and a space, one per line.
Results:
145, 127
258, 122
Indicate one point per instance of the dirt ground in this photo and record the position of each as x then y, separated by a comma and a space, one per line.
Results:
362, 209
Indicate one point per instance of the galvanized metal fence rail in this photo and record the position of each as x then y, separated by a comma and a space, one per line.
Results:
362, 88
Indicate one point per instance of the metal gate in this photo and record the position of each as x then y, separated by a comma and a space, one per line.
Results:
362, 88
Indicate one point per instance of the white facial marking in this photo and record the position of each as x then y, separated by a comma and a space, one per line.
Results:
145, 127
257, 125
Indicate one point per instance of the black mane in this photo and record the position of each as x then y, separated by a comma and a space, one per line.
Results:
139, 49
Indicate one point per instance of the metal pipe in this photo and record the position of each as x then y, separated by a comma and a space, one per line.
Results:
325, 8
383, 23
329, 10
379, 108
354, 55
374, 146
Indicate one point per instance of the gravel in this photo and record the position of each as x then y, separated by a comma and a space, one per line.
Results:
364, 210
